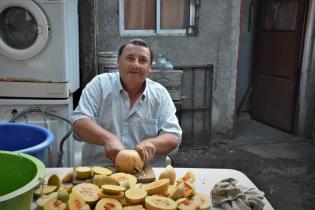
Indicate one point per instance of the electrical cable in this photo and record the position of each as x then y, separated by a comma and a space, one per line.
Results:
50, 159
26, 113
63, 139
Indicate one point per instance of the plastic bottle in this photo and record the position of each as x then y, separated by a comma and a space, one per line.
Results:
168, 65
162, 63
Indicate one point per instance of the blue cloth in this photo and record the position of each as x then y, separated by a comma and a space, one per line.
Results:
106, 102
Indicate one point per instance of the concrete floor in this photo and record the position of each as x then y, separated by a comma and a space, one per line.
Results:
280, 164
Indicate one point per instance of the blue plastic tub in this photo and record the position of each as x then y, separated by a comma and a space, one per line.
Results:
25, 138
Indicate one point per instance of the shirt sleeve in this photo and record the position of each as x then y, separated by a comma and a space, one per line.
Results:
89, 103
168, 122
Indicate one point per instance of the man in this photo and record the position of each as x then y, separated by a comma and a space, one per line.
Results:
126, 110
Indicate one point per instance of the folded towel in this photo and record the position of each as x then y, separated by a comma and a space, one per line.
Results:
230, 196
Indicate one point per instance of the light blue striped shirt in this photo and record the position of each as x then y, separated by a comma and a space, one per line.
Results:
106, 102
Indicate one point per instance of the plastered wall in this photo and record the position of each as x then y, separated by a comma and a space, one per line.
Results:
216, 43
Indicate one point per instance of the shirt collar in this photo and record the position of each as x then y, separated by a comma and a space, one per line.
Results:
144, 94
120, 87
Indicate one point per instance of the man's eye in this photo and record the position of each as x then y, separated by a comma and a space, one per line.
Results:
143, 60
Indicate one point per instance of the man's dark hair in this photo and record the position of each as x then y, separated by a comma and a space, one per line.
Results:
139, 42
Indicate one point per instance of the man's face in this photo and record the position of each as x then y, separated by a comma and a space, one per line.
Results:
134, 64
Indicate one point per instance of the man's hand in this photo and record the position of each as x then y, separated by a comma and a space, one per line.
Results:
112, 146
146, 149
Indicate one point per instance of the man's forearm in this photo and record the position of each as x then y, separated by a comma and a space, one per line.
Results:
164, 143
159, 145
89, 131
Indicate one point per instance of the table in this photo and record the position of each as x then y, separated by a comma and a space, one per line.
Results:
205, 178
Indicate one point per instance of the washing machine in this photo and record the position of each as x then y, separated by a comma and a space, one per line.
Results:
39, 48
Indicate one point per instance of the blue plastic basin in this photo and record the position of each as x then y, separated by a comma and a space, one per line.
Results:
25, 138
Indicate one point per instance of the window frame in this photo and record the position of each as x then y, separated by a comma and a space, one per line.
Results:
158, 31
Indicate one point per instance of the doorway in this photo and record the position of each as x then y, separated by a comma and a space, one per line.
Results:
277, 61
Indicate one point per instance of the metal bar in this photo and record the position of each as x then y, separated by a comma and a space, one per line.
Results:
195, 108
193, 105
205, 104
207, 67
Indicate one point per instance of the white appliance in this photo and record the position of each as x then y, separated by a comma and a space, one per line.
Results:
39, 64
11, 108
39, 50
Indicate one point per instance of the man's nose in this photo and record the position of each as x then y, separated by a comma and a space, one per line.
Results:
136, 62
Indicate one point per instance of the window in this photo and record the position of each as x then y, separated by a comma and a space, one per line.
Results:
157, 17
277, 18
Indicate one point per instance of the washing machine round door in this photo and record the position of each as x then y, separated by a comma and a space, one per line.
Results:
24, 29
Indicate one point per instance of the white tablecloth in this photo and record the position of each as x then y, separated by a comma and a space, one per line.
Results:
206, 178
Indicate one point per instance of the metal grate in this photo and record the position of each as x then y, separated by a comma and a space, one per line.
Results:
194, 111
